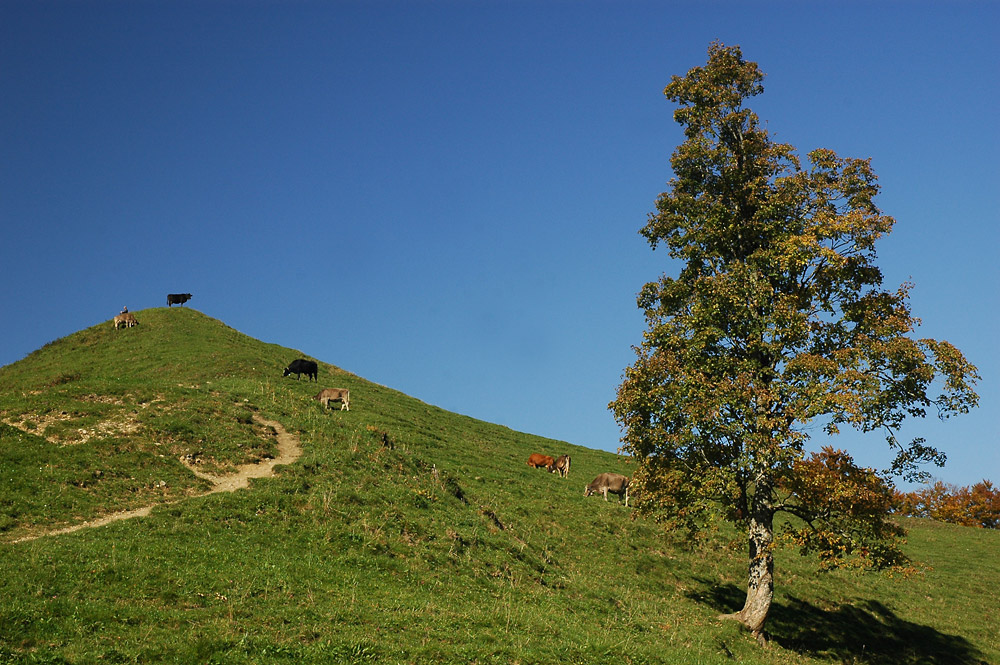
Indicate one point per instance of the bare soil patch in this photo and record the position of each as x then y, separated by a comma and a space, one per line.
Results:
289, 450
122, 425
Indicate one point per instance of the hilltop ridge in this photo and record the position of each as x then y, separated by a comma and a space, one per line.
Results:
179, 387
178, 340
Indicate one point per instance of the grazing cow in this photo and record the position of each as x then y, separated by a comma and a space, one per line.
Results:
127, 319
540, 461
342, 395
177, 298
561, 466
609, 482
300, 366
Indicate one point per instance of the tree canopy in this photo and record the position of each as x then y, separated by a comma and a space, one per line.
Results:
977, 506
777, 319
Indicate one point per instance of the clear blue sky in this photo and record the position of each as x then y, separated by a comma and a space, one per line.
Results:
444, 197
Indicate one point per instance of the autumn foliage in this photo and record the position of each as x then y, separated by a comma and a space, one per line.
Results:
977, 506
844, 510
773, 319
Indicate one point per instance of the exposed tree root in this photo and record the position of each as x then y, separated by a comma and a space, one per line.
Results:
758, 635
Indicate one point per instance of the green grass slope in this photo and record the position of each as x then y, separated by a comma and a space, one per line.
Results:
442, 547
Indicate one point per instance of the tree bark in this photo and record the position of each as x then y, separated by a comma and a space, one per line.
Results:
760, 580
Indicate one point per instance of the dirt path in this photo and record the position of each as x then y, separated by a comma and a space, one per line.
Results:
289, 450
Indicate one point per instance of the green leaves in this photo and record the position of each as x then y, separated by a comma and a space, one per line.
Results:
778, 317
716, 89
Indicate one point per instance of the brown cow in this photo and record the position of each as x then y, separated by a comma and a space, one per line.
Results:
609, 482
342, 395
540, 461
561, 466
126, 319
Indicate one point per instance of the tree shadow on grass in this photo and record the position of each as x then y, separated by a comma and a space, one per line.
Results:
866, 632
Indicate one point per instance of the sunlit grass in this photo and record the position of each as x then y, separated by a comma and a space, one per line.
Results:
442, 546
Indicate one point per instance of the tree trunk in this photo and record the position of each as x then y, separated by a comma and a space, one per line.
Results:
760, 581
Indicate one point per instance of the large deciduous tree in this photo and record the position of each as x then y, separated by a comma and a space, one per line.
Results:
776, 319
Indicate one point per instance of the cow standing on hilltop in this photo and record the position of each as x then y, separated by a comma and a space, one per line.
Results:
126, 319
300, 367
177, 298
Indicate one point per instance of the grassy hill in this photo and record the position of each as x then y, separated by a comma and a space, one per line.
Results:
440, 547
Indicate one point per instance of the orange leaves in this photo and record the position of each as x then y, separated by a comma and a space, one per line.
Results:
976, 506
829, 483
844, 508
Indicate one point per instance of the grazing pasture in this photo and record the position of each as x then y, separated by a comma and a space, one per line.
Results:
443, 547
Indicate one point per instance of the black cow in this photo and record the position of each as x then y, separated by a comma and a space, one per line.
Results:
177, 298
299, 367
